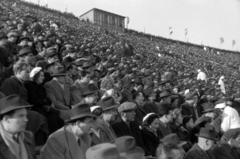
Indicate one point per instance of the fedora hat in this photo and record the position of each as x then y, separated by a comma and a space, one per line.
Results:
165, 94
60, 71
127, 147
107, 103
208, 107
103, 151
24, 51
12, 102
87, 64
208, 134
89, 89
174, 139
78, 112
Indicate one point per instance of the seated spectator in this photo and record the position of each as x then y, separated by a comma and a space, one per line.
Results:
206, 139
76, 88
109, 108
150, 133
125, 125
16, 142
97, 138
15, 85
41, 103
48, 71
227, 148
90, 94
25, 53
170, 150
189, 107
71, 74
166, 117
58, 91
73, 139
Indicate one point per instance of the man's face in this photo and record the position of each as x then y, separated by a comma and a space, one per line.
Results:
24, 74
92, 98
210, 114
110, 115
24, 42
140, 98
13, 39
74, 70
98, 122
130, 115
18, 121
170, 116
85, 127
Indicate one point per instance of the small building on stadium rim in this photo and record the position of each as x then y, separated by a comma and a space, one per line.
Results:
105, 19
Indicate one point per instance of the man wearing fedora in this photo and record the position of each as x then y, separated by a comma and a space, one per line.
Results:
25, 53
58, 91
73, 140
206, 140
15, 142
109, 108
126, 125
77, 87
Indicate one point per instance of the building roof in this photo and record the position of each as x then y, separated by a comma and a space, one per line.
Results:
102, 11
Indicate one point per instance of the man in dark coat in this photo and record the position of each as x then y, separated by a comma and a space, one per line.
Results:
188, 108
225, 148
125, 125
200, 150
21, 145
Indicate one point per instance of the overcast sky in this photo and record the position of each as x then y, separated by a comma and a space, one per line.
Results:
206, 20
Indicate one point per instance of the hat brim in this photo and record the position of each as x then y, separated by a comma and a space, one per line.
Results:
59, 74
210, 110
111, 107
206, 137
9, 109
79, 117
182, 143
164, 96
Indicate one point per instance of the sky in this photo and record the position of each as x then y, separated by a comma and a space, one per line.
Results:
206, 20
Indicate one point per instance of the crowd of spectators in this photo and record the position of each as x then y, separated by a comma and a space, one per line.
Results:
74, 89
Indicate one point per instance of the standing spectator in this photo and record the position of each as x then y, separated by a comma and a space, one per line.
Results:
230, 117
73, 140
15, 141
201, 76
221, 84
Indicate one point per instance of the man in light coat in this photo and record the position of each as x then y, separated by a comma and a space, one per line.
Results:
73, 140
201, 76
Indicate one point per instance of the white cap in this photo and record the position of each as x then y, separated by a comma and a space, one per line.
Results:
220, 106
94, 108
35, 71
147, 116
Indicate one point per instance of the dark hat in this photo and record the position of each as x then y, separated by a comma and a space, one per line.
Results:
186, 119
165, 94
87, 64
190, 96
60, 71
208, 107
24, 38
49, 65
41, 64
89, 89
107, 103
127, 147
24, 51
12, 102
231, 134
208, 134
174, 139
79, 112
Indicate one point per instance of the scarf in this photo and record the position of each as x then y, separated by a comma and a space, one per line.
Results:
17, 146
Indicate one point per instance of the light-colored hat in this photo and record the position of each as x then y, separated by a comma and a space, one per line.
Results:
35, 71
94, 108
147, 116
220, 106
103, 151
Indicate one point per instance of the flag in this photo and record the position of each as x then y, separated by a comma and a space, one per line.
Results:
46, 3
221, 40
233, 42
170, 30
128, 20
186, 31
